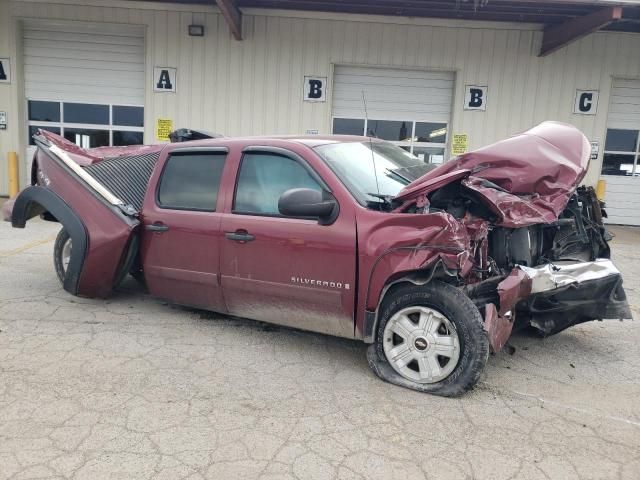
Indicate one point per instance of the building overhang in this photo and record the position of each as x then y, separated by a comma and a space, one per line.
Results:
563, 21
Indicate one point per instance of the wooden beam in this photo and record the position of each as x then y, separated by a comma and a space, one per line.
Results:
557, 36
232, 15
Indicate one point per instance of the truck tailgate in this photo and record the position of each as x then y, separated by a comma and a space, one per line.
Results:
101, 225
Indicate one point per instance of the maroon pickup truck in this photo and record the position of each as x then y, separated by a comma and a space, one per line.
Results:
348, 236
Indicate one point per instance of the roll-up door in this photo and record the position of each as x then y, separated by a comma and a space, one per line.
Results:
411, 108
621, 163
84, 81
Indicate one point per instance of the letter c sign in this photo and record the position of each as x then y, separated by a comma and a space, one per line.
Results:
586, 102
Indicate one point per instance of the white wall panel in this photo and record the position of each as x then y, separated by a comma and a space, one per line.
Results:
255, 86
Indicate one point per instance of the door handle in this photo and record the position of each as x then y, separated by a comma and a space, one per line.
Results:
158, 227
240, 236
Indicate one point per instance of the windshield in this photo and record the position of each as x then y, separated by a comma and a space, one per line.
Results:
353, 163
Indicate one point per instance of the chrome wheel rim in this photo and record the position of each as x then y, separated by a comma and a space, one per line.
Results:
421, 344
66, 255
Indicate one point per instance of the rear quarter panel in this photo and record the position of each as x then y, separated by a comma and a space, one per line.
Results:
108, 231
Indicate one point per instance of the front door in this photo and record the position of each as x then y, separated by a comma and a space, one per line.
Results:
289, 271
181, 241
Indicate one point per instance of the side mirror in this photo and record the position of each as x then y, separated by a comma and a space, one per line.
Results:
305, 202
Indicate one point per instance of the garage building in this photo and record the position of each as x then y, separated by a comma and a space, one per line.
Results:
435, 77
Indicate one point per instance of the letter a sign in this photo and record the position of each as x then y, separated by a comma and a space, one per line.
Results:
164, 79
5, 70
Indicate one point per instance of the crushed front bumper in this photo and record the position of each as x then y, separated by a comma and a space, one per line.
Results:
555, 296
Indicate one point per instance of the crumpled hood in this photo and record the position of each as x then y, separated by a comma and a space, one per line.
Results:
525, 179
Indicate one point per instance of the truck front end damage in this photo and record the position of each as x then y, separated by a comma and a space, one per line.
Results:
537, 253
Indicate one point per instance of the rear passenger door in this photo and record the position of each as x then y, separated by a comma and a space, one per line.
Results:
181, 241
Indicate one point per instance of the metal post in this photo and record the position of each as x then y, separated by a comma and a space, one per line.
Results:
601, 189
14, 184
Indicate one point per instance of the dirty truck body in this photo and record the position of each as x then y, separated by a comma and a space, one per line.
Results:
347, 236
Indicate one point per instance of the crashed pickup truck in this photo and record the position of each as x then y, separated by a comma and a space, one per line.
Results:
348, 236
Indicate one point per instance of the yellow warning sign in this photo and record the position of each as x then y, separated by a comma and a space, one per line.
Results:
164, 127
460, 144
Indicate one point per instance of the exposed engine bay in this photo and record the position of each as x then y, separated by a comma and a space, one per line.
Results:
577, 237
578, 234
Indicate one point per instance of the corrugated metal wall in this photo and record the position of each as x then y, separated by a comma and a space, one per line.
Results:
255, 86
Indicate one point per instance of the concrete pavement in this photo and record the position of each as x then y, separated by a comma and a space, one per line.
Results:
132, 388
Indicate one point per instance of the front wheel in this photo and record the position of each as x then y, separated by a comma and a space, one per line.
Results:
62, 254
430, 338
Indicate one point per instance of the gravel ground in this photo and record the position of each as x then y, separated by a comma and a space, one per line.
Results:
133, 388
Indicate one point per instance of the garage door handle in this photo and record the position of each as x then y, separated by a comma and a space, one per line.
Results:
240, 236
156, 227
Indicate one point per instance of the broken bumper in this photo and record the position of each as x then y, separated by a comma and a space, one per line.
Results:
553, 297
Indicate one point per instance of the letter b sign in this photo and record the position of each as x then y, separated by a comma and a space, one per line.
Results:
475, 97
314, 89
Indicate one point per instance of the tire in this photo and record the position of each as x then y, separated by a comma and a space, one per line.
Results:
447, 349
63, 240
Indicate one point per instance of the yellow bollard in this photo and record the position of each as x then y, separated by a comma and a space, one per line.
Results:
601, 189
13, 173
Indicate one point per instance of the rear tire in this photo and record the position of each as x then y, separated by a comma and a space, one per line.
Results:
62, 254
430, 338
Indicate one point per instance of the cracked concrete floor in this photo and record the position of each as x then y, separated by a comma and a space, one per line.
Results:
132, 388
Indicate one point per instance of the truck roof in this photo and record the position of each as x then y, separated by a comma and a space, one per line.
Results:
308, 140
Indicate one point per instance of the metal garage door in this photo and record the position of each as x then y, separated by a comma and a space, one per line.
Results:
621, 164
411, 108
84, 81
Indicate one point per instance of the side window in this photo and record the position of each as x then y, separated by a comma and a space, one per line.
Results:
190, 181
263, 178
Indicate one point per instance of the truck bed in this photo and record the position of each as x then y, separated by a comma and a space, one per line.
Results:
126, 177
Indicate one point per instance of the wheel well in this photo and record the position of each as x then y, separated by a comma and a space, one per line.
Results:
418, 277
35, 200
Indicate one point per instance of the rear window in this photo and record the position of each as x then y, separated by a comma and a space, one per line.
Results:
190, 181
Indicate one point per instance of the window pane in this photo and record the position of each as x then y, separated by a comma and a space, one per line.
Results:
87, 138
264, 177
33, 129
86, 113
429, 154
191, 181
128, 116
621, 140
372, 167
44, 111
431, 132
127, 138
614, 164
348, 126
389, 130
